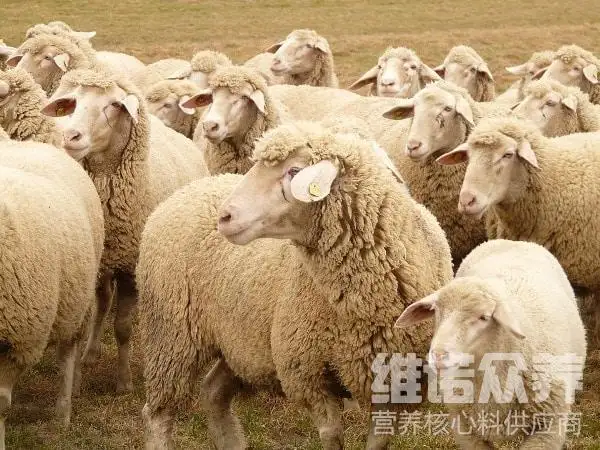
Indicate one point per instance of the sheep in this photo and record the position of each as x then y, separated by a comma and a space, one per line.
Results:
304, 57
558, 110
202, 66
241, 111
399, 73
52, 236
537, 62
464, 67
159, 71
540, 189
262, 64
135, 163
574, 66
352, 264
443, 115
508, 298
5, 52
21, 100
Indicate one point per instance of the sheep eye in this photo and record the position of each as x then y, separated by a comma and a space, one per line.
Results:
48, 58
550, 103
448, 108
116, 105
508, 155
413, 67
473, 69
484, 317
167, 106
293, 171
576, 69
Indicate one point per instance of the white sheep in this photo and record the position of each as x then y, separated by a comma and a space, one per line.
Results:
21, 100
536, 63
135, 163
464, 67
159, 71
52, 236
262, 63
304, 57
540, 189
5, 52
352, 265
202, 65
509, 300
398, 73
557, 109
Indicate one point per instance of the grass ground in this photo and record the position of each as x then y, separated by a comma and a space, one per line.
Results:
505, 33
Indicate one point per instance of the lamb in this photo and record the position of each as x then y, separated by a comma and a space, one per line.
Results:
574, 66
304, 57
5, 52
21, 100
262, 63
443, 115
159, 71
540, 190
135, 163
514, 299
558, 110
464, 67
241, 111
52, 235
398, 73
352, 265
202, 66
165, 100
538, 62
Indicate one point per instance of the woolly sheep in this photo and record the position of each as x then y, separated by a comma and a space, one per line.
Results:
230, 127
304, 57
442, 115
21, 100
159, 71
52, 236
202, 66
527, 70
558, 110
135, 163
398, 73
509, 298
165, 100
262, 64
574, 66
540, 189
464, 67
352, 265
5, 52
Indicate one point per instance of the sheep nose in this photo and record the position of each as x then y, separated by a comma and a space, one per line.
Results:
225, 217
466, 200
438, 358
72, 135
413, 145
388, 81
210, 126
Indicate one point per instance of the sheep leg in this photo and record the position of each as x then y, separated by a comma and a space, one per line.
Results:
378, 441
104, 297
158, 428
219, 387
327, 418
67, 355
123, 324
8, 377
77, 371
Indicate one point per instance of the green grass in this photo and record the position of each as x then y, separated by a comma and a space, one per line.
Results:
505, 33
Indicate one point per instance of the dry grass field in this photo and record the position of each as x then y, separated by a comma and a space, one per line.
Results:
505, 33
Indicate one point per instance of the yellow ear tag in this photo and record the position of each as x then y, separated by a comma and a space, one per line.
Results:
314, 190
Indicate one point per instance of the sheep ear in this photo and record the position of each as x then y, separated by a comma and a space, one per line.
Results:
418, 311
62, 61
199, 100
570, 102
458, 155
273, 48
483, 68
60, 107
591, 73
464, 109
525, 151
258, 98
369, 77
185, 110
6, 50
86, 35
403, 110
440, 70
519, 70
131, 104
428, 75
313, 183
539, 74
181, 74
322, 45
14, 60
504, 317
385, 158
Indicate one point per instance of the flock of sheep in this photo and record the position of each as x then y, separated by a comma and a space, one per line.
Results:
131, 183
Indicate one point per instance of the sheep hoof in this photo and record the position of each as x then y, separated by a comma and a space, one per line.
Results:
124, 387
63, 414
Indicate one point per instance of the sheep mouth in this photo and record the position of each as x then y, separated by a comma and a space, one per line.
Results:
240, 233
476, 211
278, 71
76, 152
